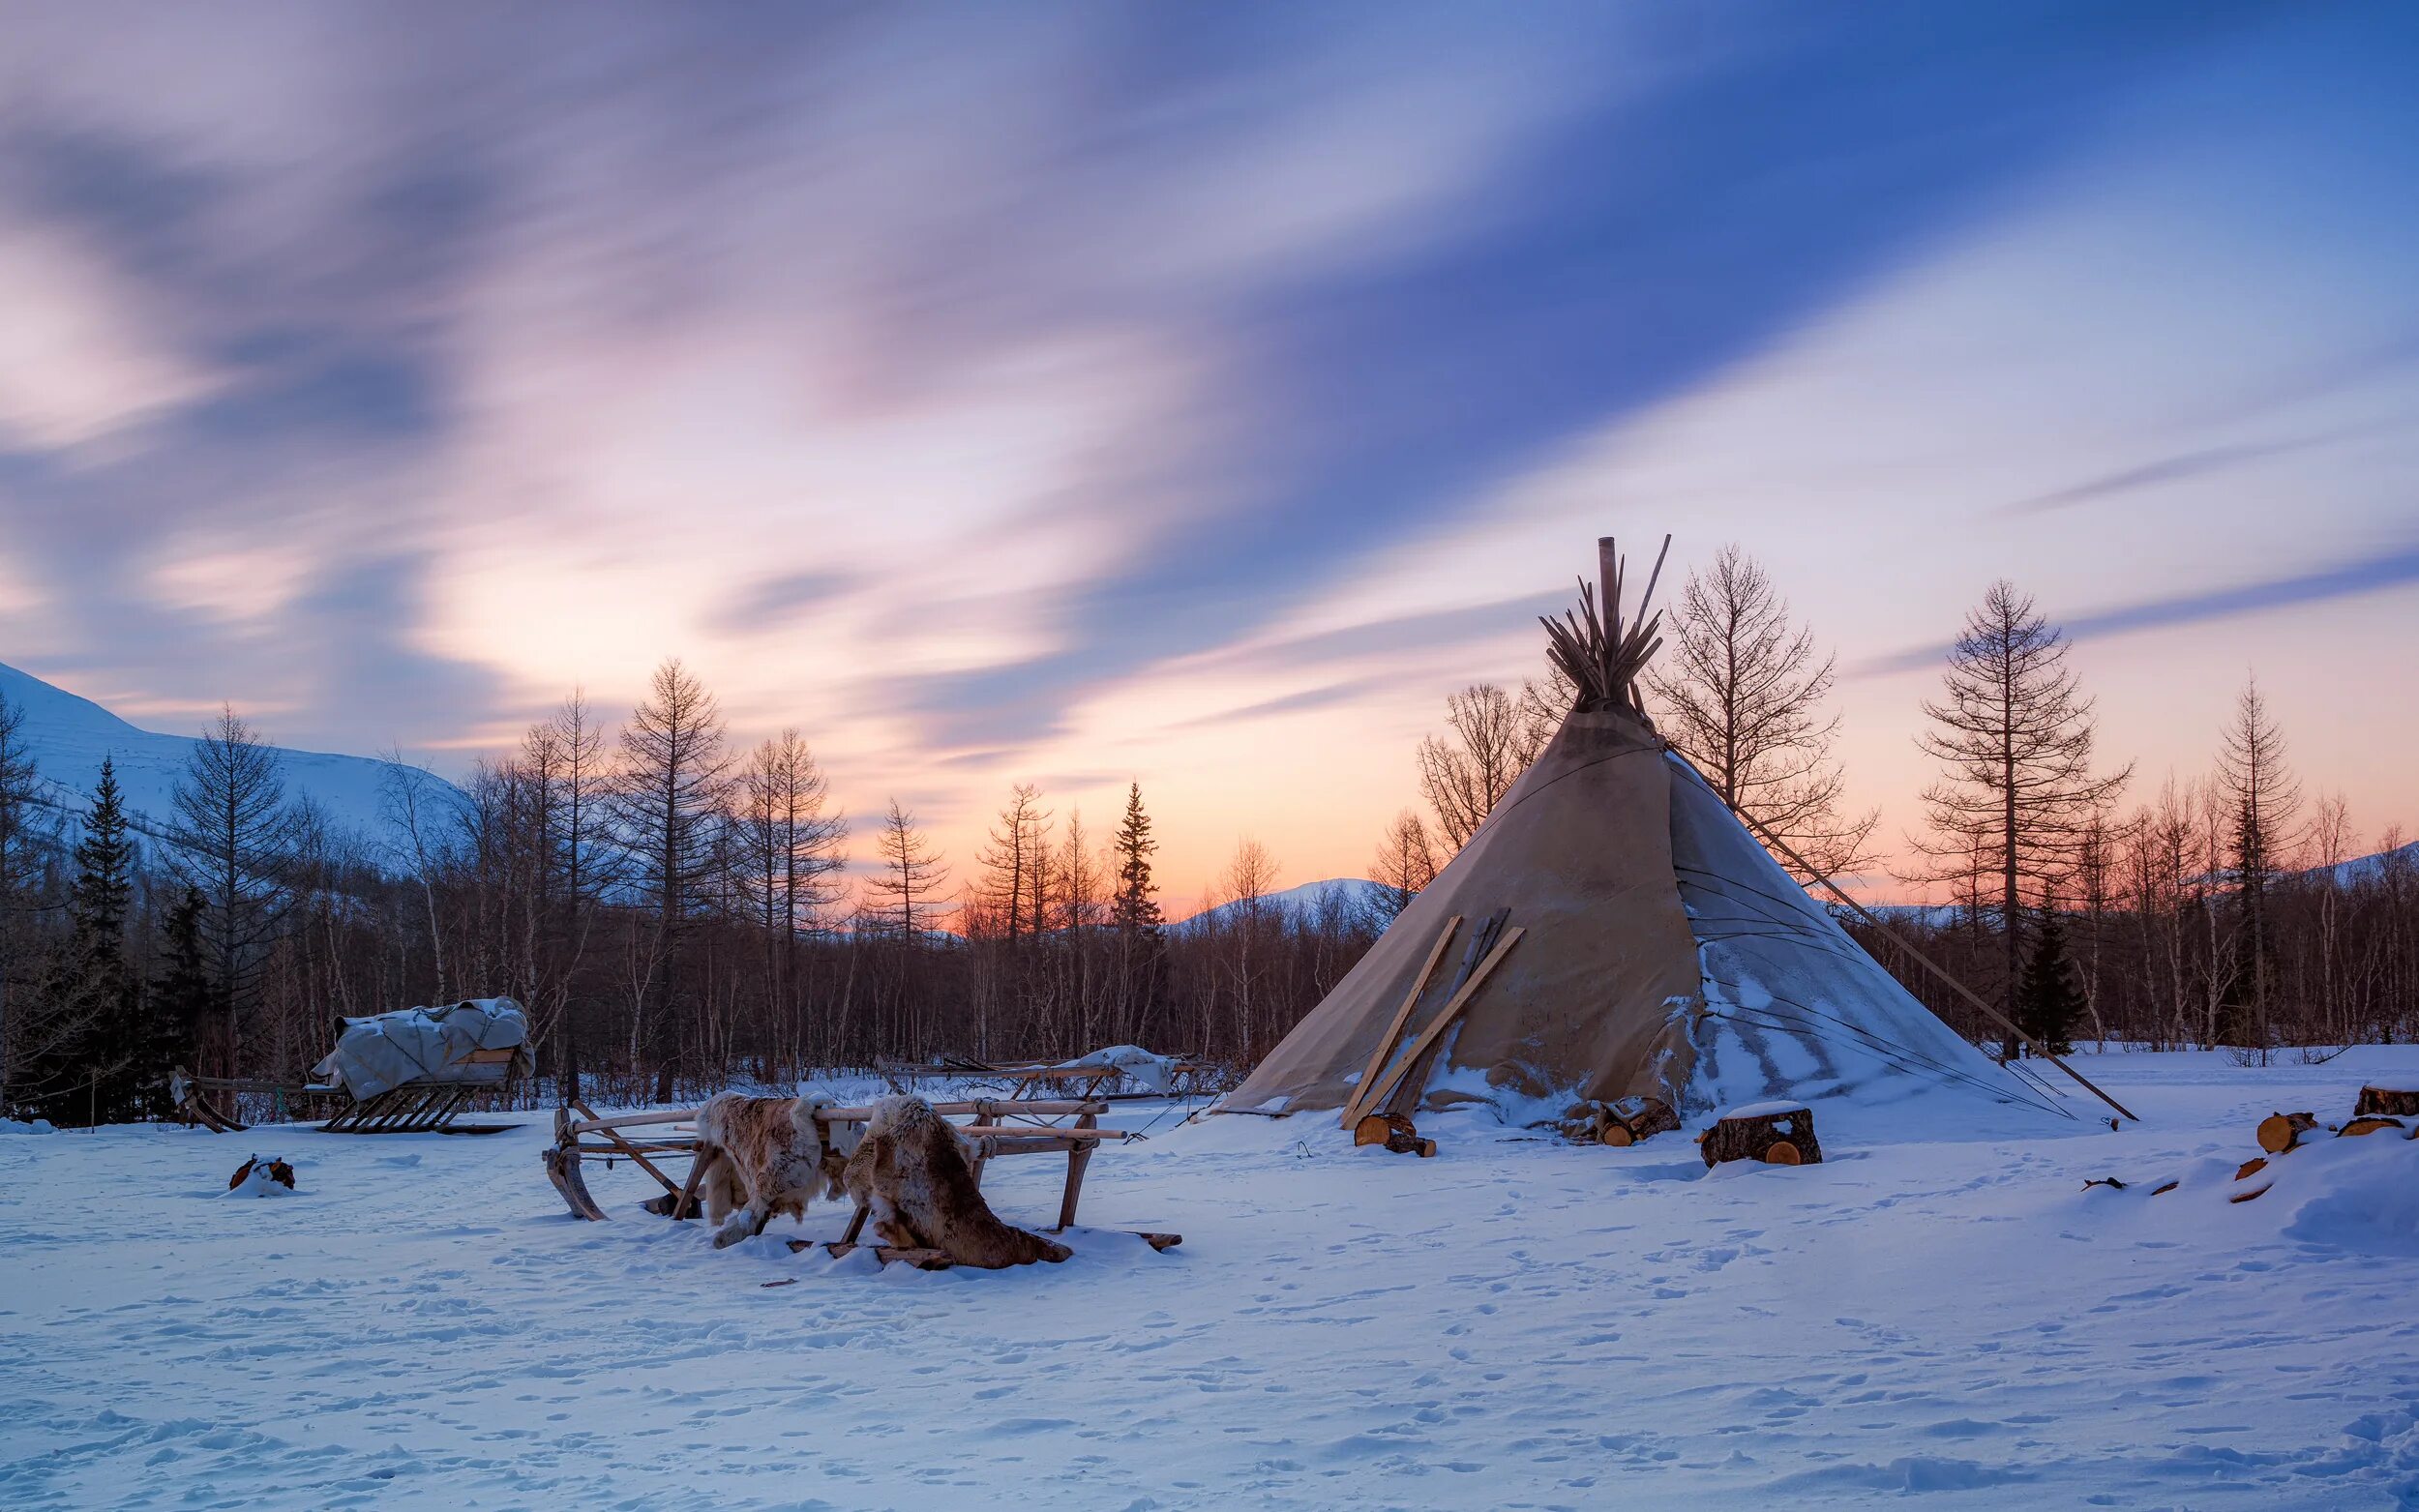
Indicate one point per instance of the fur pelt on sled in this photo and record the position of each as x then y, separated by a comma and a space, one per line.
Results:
766, 1155
915, 1173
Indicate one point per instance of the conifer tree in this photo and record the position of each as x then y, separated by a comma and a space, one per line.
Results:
1136, 910
183, 996
2265, 798
105, 1056
1135, 914
2049, 1002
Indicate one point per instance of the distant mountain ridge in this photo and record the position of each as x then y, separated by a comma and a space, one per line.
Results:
68, 736
1335, 893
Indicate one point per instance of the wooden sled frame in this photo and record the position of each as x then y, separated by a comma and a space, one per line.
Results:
1045, 1080
431, 1104
202, 1107
590, 1137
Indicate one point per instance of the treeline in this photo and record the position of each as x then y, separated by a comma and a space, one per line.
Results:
673, 913
677, 914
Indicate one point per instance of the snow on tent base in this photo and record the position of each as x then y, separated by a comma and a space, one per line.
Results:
1663, 954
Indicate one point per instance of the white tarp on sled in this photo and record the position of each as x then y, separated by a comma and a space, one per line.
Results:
388, 1049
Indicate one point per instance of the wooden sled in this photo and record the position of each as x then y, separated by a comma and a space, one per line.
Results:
590, 1138
431, 1104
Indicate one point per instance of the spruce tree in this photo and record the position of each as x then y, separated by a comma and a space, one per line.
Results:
1136, 911
1142, 949
2049, 1002
93, 983
183, 994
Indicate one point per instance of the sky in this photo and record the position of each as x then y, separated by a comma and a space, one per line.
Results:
1197, 395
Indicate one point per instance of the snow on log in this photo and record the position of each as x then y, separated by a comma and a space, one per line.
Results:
1778, 1134
2369, 1123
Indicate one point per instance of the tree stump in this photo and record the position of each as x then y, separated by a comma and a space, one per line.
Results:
2393, 1101
1395, 1131
2281, 1132
1778, 1134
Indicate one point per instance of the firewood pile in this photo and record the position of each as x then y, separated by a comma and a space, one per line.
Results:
2378, 1109
1621, 1123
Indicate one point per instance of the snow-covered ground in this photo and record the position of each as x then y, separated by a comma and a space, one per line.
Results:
1517, 1322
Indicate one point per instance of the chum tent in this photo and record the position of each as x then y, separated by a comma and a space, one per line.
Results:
1661, 952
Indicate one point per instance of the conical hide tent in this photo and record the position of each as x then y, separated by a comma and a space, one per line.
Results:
1662, 953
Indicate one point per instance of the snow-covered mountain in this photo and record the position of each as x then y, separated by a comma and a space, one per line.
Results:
68, 736
1336, 893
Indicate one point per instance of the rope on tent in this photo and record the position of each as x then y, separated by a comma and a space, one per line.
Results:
1826, 940
1872, 1038
1813, 1020
1793, 1024
1903, 943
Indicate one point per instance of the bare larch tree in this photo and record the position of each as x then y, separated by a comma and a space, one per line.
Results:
2019, 794
1742, 688
2264, 800
1465, 772
669, 798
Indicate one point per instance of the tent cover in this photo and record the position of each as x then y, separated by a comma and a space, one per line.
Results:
1664, 954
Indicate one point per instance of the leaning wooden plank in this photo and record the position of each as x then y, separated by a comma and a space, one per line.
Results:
1435, 1031
1393, 1034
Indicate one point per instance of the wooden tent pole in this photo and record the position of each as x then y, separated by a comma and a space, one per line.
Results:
1394, 1032
1435, 1031
1927, 961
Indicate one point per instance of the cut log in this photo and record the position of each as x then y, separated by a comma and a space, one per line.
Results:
1780, 1134
1162, 1242
2281, 1132
2251, 1166
2369, 1125
1395, 1131
2394, 1100
1632, 1120
2245, 1197
2161, 1190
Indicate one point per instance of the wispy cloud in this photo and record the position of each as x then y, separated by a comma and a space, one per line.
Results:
2180, 467
2393, 568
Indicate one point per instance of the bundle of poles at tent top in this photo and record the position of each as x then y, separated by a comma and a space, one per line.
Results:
1601, 659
